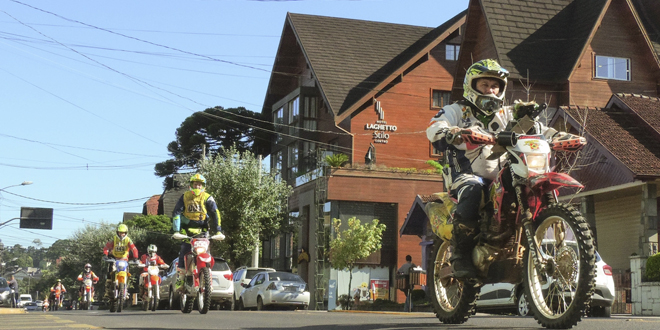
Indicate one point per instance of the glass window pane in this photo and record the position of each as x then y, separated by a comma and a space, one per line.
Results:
612, 68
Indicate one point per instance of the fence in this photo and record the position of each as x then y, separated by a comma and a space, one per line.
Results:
622, 295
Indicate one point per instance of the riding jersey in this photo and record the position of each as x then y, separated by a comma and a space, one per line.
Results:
120, 248
146, 260
469, 162
89, 275
195, 210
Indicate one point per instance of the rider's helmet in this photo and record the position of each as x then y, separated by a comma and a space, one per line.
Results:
152, 249
486, 104
88, 268
197, 178
122, 228
59, 281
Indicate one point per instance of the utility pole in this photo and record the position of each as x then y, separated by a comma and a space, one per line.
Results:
255, 252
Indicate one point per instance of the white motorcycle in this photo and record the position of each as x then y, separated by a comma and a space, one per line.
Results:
151, 285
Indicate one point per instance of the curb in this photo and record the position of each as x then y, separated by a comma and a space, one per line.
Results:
12, 311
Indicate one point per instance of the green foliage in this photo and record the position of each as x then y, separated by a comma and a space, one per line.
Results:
345, 302
438, 167
355, 243
208, 129
653, 268
336, 160
159, 223
252, 202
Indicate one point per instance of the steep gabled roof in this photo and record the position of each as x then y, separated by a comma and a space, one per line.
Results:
546, 37
646, 108
622, 132
351, 59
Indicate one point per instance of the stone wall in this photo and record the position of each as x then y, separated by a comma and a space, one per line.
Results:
645, 295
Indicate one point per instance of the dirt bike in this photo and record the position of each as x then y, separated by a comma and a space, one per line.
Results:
87, 288
55, 299
119, 293
151, 285
525, 234
198, 264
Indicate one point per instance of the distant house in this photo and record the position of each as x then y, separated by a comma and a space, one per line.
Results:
167, 200
150, 207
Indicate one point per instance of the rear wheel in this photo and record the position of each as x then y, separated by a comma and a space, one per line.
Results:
453, 300
204, 293
120, 298
559, 294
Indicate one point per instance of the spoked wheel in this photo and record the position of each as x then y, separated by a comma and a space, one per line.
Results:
186, 303
120, 297
453, 300
154, 298
204, 293
560, 293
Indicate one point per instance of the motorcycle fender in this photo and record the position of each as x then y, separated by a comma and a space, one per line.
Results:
547, 182
121, 277
155, 280
204, 260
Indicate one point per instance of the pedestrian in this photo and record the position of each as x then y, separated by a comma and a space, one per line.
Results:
13, 285
405, 270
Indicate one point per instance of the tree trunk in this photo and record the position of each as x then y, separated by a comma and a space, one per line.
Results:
350, 279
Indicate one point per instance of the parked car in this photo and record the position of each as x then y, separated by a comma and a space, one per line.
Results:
31, 306
5, 293
243, 275
223, 285
603, 298
167, 292
276, 289
23, 299
510, 298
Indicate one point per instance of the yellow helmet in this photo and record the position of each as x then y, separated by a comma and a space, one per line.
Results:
486, 104
122, 228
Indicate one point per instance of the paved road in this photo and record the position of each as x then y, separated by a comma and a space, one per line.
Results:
302, 320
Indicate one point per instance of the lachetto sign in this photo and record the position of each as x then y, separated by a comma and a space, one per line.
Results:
380, 128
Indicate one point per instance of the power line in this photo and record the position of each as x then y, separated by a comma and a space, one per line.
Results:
53, 202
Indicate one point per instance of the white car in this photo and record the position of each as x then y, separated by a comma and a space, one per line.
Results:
223, 285
510, 298
243, 275
276, 289
23, 299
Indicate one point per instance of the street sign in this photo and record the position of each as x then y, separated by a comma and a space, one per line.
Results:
36, 218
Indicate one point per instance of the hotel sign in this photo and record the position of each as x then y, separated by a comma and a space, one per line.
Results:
381, 128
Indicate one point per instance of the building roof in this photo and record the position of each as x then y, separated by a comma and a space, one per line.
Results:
150, 207
649, 14
351, 58
628, 128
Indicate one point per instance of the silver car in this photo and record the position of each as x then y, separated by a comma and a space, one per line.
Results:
276, 289
243, 275
5, 293
223, 285
167, 292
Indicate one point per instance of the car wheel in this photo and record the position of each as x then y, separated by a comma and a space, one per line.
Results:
523, 304
241, 306
260, 304
599, 311
235, 304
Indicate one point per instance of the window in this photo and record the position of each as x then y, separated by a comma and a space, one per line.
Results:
440, 98
310, 113
294, 110
616, 68
451, 52
278, 116
292, 161
277, 165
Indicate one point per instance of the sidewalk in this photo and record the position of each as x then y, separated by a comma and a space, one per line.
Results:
7, 310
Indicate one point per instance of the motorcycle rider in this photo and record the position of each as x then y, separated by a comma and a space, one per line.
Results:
194, 212
58, 288
120, 245
470, 168
87, 273
146, 259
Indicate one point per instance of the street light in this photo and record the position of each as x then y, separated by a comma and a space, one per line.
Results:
24, 183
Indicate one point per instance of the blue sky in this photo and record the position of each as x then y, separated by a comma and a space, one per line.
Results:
91, 92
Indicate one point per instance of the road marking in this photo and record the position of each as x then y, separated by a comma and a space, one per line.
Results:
45, 321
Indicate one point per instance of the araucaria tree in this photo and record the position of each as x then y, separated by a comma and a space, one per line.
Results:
355, 243
210, 131
252, 202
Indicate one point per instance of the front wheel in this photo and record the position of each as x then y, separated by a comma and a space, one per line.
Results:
154, 298
204, 293
453, 300
559, 294
120, 298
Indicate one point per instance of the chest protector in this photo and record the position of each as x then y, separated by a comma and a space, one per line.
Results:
194, 208
120, 249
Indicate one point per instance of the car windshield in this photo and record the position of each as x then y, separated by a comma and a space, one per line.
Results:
26, 299
281, 276
3, 283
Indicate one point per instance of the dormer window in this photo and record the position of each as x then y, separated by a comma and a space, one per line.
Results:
616, 68
451, 52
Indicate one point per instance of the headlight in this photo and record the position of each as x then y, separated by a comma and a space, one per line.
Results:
536, 162
200, 250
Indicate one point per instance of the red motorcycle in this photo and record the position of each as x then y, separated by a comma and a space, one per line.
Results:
87, 288
525, 235
198, 264
55, 299
151, 285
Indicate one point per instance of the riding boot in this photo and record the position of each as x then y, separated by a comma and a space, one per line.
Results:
463, 242
180, 278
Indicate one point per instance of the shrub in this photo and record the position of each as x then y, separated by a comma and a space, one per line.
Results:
653, 268
344, 303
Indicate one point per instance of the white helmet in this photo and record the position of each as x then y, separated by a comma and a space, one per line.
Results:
486, 104
152, 249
